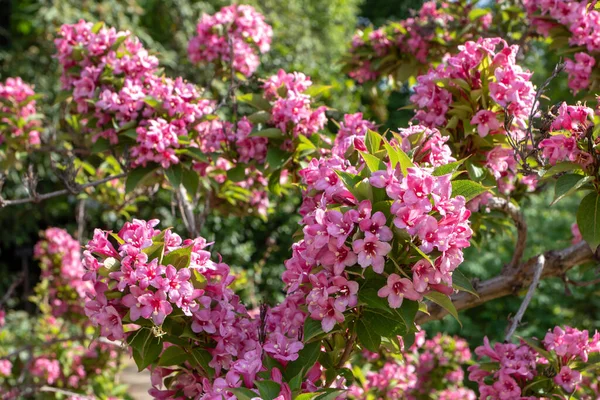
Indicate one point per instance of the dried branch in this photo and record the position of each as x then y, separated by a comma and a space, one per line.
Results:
18, 280
187, 211
36, 198
514, 212
539, 267
558, 262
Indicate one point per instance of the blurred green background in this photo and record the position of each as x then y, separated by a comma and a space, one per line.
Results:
309, 36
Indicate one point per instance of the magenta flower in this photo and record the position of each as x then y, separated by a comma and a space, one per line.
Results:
346, 292
486, 122
155, 306
397, 289
282, 348
376, 225
568, 378
338, 257
371, 251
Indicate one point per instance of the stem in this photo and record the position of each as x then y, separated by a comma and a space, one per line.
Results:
38, 198
536, 280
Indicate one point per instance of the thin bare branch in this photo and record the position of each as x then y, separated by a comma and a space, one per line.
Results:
41, 197
539, 267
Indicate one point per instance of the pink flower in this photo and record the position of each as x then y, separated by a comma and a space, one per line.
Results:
397, 289
155, 306
486, 122
568, 378
371, 251
5, 367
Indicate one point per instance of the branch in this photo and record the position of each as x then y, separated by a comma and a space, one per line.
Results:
40, 197
518, 218
187, 211
558, 262
539, 267
15, 283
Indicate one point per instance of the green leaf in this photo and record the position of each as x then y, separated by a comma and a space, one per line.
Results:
312, 328
562, 167
276, 157
448, 168
397, 156
259, 117
478, 13
201, 358
237, 174
443, 301
152, 102
179, 258
372, 162
272, 133
243, 393
373, 141
137, 177
173, 355
196, 154
100, 146
190, 180
97, 26
467, 188
568, 184
307, 357
307, 396
367, 337
174, 175
146, 347
255, 101
330, 394
588, 219
383, 325
268, 389
461, 282
369, 297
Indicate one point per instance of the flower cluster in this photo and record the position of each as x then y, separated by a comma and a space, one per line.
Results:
500, 90
477, 64
156, 279
117, 90
427, 144
344, 235
428, 369
413, 42
60, 260
513, 369
351, 134
291, 110
568, 140
19, 121
234, 35
575, 21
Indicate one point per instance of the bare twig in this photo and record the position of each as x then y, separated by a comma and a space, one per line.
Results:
518, 218
582, 284
52, 389
18, 280
187, 211
80, 218
36, 198
539, 267
558, 262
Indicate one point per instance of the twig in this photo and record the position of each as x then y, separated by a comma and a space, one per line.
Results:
18, 280
40, 197
582, 284
80, 218
187, 211
518, 218
52, 389
539, 267
347, 350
